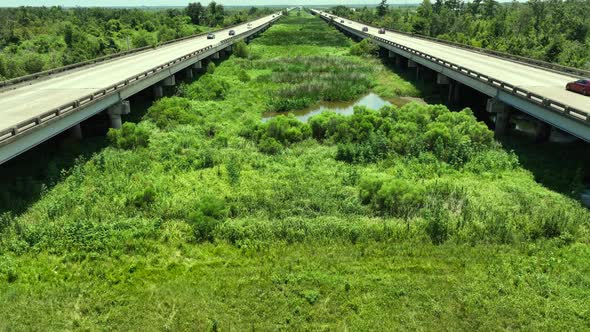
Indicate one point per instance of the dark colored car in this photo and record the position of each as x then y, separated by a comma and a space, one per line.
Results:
341, 21
232, 32
365, 29
382, 31
210, 36
580, 86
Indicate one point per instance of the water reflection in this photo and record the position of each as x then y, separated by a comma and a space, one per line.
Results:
372, 101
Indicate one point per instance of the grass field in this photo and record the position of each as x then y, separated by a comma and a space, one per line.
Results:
201, 217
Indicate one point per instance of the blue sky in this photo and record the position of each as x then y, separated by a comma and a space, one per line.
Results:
84, 3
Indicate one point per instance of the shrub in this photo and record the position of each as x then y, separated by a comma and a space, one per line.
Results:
208, 215
143, 198
234, 168
492, 161
365, 48
208, 87
369, 136
393, 197
241, 50
211, 68
270, 145
130, 136
169, 112
243, 76
325, 124
281, 130
376, 148
437, 226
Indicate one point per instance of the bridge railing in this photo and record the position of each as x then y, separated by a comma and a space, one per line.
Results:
547, 103
576, 72
66, 109
32, 77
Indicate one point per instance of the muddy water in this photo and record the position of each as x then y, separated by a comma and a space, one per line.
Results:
371, 100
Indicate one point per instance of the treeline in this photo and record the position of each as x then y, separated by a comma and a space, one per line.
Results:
555, 31
33, 39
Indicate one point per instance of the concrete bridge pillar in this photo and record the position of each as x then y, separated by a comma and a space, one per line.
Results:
392, 54
442, 79
427, 74
198, 65
503, 113
398, 61
542, 131
215, 55
454, 92
158, 91
115, 112
76, 132
169, 81
412, 64
189, 73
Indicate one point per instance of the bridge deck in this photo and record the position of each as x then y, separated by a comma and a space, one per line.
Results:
537, 80
26, 102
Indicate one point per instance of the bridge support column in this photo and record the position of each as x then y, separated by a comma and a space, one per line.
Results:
502, 112
442, 79
215, 55
158, 91
412, 64
169, 81
76, 132
392, 54
189, 73
398, 61
198, 65
542, 131
454, 92
116, 111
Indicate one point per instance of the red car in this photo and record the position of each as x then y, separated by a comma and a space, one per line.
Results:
580, 86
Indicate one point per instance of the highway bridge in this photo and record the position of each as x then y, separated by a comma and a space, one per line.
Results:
532, 87
36, 108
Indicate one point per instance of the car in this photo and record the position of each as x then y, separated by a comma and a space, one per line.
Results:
365, 29
341, 21
210, 36
249, 26
232, 32
382, 31
579, 86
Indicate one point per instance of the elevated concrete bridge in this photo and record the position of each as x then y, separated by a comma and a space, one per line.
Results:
36, 108
532, 87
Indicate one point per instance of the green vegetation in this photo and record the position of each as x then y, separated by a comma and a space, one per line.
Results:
36, 39
203, 217
552, 31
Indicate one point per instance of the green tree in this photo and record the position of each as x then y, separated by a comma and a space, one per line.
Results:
382, 8
195, 11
